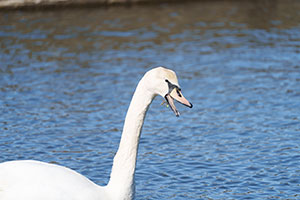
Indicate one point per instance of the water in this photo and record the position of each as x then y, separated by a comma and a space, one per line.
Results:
67, 77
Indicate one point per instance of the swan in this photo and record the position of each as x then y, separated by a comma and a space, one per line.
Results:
35, 180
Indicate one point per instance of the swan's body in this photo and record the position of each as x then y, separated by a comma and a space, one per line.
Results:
34, 180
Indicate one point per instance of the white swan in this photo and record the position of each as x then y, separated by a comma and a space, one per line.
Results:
34, 180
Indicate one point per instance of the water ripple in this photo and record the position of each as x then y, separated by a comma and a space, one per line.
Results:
66, 82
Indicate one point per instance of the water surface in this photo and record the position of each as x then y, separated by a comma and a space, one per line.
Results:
67, 77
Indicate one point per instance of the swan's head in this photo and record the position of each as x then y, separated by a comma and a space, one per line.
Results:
163, 82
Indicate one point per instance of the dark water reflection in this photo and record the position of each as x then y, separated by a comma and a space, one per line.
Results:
67, 77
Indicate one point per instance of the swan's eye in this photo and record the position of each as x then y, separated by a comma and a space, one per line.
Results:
172, 87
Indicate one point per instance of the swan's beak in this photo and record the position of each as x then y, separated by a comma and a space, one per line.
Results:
177, 95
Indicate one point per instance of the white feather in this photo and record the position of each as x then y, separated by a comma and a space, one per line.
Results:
34, 180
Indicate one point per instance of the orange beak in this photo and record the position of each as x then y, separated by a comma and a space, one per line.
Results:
177, 95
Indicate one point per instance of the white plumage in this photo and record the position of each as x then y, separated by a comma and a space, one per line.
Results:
35, 180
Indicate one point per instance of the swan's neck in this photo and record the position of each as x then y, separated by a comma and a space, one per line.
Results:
121, 181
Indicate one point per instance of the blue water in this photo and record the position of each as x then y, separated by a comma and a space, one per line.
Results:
67, 77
